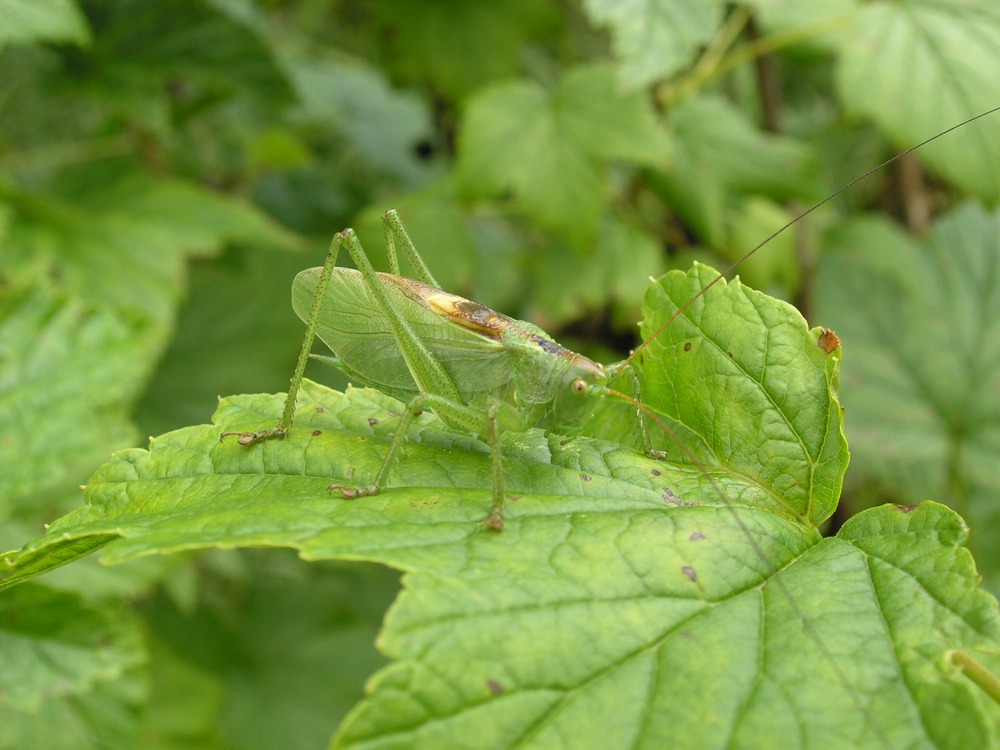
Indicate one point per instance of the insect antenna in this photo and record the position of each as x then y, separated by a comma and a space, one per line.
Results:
635, 353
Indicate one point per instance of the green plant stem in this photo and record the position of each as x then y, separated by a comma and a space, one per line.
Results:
984, 678
712, 64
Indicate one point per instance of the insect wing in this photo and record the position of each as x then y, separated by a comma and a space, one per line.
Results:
353, 327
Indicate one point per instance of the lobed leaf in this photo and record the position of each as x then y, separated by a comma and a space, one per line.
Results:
671, 597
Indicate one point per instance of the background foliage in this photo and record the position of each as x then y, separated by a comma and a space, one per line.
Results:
165, 168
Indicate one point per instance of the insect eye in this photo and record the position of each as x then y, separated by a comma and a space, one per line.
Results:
580, 387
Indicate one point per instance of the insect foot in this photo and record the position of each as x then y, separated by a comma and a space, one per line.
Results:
249, 438
495, 519
350, 493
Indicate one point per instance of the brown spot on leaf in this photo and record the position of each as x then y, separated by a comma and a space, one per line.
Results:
585, 477
317, 432
372, 421
689, 572
687, 346
907, 508
494, 687
828, 340
670, 498
696, 536
656, 472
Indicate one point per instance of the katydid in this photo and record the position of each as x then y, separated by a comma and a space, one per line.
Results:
478, 370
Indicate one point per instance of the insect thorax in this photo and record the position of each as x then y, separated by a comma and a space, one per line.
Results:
555, 384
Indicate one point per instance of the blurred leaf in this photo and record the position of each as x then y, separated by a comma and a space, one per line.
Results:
556, 146
922, 378
125, 244
384, 125
62, 676
235, 332
67, 372
777, 268
140, 44
720, 158
655, 39
307, 661
668, 560
26, 21
455, 47
618, 271
921, 66
184, 706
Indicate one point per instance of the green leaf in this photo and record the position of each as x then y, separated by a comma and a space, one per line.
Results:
662, 592
66, 373
556, 146
237, 309
622, 635
141, 46
456, 47
655, 40
617, 270
26, 21
721, 157
67, 677
748, 389
383, 125
922, 368
125, 244
921, 66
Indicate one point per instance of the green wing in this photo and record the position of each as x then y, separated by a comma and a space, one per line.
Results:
351, 324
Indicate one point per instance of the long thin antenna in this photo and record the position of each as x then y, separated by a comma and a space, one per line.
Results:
791, 223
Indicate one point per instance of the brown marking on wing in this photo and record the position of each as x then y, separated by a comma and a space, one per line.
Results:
482, 320
461, 311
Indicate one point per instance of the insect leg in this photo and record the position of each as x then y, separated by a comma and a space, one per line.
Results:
394, 230
288, 413
495, 518
349, 492
451, 413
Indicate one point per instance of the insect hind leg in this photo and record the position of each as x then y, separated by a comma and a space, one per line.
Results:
455, 415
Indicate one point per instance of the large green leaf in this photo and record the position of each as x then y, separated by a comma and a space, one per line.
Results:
67, 679
557, 145
920, 66
923, 368
656, 39
42, 20
684, 601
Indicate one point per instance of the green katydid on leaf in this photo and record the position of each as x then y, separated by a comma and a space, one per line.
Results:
479, 371
631, 581
757, 416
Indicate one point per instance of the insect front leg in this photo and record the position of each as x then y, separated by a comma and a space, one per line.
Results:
635, 386
288, 413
